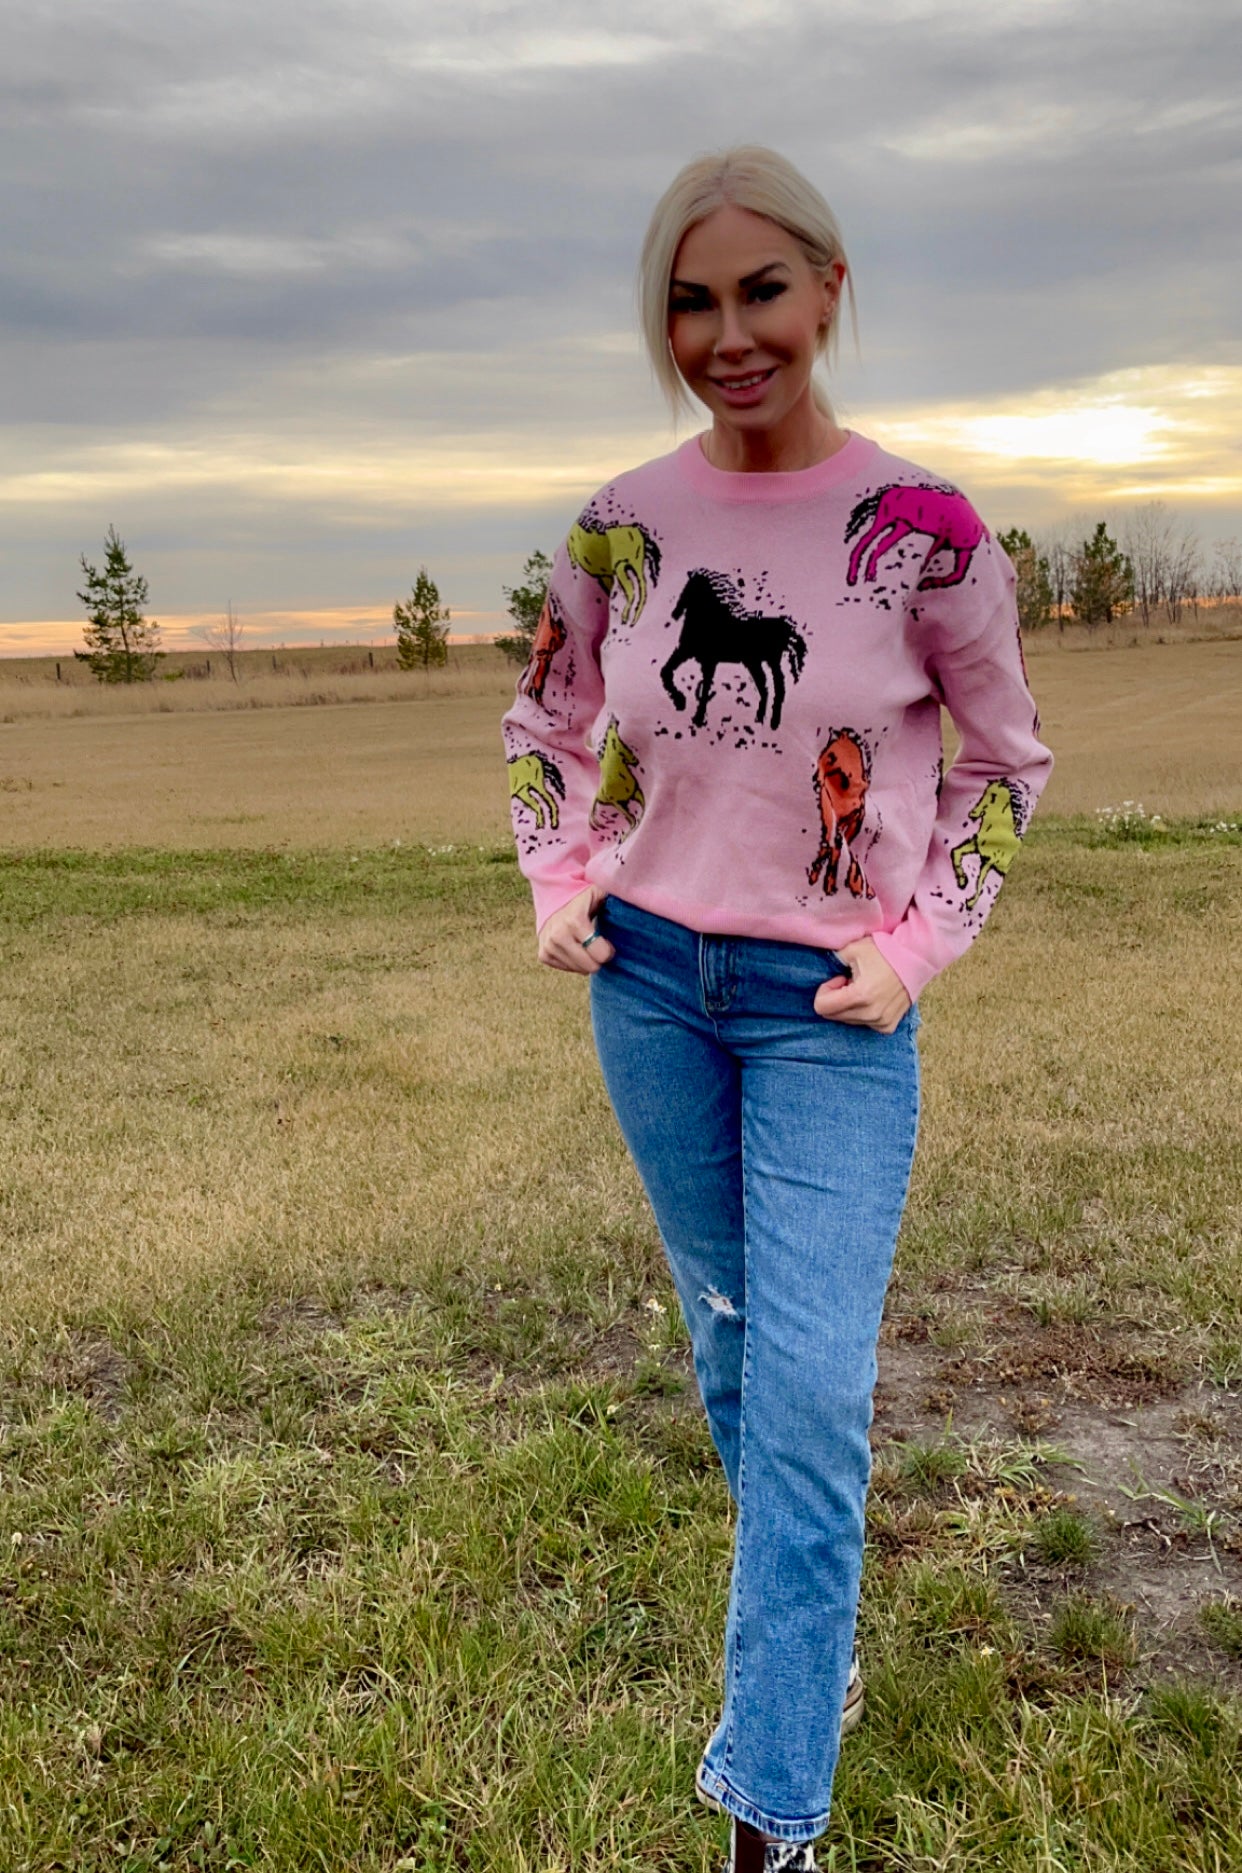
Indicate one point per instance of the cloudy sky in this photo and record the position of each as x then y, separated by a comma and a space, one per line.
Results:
302, 297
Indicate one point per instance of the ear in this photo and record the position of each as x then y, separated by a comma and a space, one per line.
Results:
831, 285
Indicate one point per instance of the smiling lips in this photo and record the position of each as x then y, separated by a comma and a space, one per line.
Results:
744, 389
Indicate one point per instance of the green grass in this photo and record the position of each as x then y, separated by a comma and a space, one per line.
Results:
1093, 1632
355, 1512
50, 887
1222, 1622
1065, 1538
293, 1594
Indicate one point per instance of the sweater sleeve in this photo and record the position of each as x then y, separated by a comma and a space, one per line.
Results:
988, 794
553, 769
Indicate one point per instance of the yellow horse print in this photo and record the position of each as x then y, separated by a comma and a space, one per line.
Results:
626, 556
618, 783
536, 783
999, 816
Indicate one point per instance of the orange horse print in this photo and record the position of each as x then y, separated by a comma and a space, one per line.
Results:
549, 638
842, 776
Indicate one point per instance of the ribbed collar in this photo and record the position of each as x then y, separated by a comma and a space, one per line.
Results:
791, 485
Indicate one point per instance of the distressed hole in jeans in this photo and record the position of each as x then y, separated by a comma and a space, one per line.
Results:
719, 1303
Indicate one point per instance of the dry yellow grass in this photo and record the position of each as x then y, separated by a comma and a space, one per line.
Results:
347, 1081
195, 1097
1161, 724
36, 698
1157, 723
332, 776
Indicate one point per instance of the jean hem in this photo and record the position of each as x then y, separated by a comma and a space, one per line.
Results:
795, 1829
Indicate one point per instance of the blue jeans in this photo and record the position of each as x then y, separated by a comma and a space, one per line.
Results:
775, 1148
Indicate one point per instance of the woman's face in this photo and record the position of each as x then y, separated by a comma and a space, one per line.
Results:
746, 309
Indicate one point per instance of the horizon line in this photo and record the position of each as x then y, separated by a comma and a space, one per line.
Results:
364, 626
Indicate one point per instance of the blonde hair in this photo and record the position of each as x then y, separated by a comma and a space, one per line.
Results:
750, 177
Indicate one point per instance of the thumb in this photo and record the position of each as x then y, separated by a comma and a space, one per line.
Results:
597, 945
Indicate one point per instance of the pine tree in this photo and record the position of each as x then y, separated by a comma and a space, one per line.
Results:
1034, 592
121, 645
525, 603
422, 626
1103, 580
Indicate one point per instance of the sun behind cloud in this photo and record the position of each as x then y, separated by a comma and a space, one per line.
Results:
1161, 431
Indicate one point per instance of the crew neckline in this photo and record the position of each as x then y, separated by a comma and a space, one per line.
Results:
781, 484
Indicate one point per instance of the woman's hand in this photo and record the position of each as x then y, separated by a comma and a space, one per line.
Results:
562, 935
871, 996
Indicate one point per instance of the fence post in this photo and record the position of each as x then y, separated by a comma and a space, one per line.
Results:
58, 677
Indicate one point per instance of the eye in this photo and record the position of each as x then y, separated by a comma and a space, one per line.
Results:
768, 289
685, 303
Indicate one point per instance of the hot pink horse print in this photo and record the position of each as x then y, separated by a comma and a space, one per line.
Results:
898, 510
842, 776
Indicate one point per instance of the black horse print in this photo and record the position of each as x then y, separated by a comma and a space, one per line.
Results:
717, 630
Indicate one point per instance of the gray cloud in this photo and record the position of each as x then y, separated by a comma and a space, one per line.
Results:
376, 222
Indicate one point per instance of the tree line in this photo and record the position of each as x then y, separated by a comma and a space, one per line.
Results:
1158, 566
123, 644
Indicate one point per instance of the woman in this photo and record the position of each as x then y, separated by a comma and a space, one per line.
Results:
728, 797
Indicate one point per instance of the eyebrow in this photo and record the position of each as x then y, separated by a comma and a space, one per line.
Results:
748, 279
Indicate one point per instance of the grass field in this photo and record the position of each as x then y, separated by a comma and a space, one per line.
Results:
1154, 723
355, 1507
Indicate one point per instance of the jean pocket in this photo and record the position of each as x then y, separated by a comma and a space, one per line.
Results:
623, 916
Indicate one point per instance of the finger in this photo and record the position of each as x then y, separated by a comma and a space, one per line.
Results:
597, 951
852, 1005
568, 952
838, 996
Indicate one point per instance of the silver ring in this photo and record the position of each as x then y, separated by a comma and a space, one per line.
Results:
587, 941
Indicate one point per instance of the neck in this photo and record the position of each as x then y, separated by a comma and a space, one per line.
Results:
807, 435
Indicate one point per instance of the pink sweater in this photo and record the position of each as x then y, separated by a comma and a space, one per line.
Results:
731, 714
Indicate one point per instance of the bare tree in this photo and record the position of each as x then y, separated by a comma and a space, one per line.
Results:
1056, 548
1164, 555
1185, 574
225, 638
1147, 537
1227, 569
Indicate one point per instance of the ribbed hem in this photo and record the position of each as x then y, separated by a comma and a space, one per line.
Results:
913, 970
552, 894
797, 484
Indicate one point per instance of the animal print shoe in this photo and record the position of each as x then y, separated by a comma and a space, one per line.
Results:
752, 1854
851, 1714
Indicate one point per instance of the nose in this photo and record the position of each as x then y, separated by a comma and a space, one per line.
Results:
732, 340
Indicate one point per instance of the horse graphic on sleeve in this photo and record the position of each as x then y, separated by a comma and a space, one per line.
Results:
536, 783
549, 638
896, 511
625, 556
999, 814
842, 777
